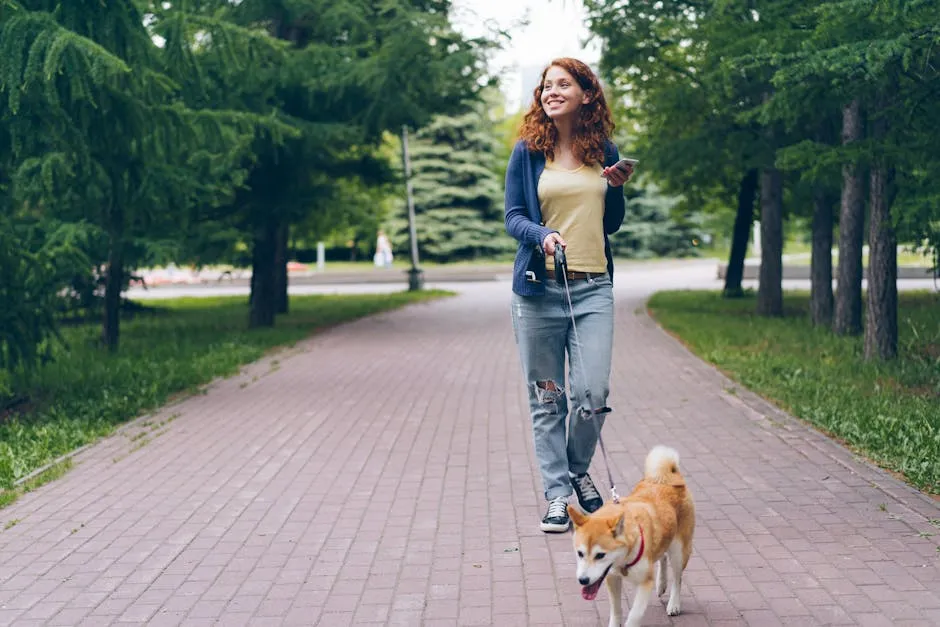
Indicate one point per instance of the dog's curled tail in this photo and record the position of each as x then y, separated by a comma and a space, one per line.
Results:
662, 466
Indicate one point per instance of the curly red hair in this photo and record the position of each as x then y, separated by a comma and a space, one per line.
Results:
594, 126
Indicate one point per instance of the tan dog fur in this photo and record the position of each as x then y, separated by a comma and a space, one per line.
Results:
661, 508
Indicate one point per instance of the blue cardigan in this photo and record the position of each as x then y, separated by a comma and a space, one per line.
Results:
524, 216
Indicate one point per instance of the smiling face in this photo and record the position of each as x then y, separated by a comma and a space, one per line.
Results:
568, 97
562, 96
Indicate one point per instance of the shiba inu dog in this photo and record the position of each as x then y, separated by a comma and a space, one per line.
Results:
632, 539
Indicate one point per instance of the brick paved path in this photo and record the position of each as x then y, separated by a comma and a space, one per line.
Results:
383, 473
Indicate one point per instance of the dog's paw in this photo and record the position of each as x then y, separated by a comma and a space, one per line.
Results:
673, 608
614, 622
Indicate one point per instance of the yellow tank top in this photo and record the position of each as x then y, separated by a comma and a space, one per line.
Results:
572, 203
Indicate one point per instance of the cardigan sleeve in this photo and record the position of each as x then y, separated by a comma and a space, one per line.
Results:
614, 203
518, 222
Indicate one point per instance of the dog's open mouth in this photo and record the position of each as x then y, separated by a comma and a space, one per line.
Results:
589, 592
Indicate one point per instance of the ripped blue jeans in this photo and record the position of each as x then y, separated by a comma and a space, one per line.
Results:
544, 335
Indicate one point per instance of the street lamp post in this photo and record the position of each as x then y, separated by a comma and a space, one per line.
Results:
415, 278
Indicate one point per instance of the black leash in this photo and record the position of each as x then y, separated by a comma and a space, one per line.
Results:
561, 268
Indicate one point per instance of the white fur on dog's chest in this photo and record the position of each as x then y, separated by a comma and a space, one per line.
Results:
637, 573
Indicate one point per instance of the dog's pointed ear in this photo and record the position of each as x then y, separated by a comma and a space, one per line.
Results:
576, 516
617, 528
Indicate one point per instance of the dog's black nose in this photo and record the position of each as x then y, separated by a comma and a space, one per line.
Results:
583, 581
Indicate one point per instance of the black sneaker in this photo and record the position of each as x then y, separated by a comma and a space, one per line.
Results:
556, 518
589, 498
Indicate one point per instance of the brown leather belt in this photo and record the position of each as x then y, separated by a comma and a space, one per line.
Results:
572, 275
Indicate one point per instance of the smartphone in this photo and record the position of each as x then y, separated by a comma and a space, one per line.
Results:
624, 162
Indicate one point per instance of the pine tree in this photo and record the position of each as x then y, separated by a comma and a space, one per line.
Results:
39, 253
118, 150
457, 193
350, 72
656, 225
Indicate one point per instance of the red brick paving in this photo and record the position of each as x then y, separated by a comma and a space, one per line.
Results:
382, 473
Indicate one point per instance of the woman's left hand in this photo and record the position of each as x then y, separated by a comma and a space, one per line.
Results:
617, 177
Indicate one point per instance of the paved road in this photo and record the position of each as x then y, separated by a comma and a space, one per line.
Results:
383, 473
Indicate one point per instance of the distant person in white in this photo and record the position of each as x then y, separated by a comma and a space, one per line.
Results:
383, 251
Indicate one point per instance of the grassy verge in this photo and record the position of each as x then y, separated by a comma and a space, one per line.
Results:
889, 413
403, 263
51, 473
84, 392
797, 247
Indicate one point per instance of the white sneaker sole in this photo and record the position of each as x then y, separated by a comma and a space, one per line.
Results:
554, 528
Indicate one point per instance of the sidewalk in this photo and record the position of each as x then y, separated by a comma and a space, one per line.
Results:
383, 473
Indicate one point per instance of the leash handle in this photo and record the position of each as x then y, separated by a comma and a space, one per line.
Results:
561, 262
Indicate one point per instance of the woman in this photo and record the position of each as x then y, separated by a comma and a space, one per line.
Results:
562, 190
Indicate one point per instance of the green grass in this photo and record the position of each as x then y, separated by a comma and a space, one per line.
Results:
888, 412
401, 263
790, 247
85, 392
53, 472
906, 258
404, 263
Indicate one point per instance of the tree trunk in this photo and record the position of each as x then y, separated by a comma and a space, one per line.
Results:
821, 299
881, 322
111, 330
770, 290
742, 231
848, 315
111, 327
280, 261
264, 274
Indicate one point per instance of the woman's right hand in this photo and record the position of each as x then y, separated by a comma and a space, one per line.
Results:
551, 240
